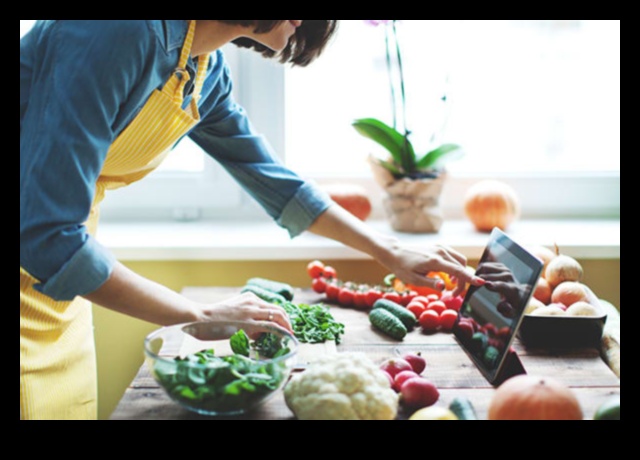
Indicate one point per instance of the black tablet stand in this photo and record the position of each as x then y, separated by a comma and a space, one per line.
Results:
511, 367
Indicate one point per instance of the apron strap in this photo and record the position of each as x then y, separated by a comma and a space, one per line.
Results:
176, 84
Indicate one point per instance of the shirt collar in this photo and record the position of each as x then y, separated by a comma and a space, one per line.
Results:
175, 33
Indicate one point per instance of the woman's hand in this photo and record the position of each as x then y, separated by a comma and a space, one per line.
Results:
247, 307
131, 294
411, 266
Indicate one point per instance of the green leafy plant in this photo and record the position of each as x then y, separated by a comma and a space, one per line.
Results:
404, 161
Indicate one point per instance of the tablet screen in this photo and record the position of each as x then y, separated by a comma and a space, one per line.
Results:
490, 314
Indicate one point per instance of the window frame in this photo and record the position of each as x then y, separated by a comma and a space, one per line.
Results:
214, 194
588, 194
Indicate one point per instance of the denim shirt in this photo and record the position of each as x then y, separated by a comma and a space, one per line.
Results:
81, 84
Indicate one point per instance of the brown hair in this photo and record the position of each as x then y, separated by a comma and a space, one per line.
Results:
304, 46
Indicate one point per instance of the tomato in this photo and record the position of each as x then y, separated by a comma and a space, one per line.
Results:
360, 300
432, 297
392, 296
453, 303
329, 272
437, 305
406, 297
429, 320
319, 284
332, 291
416, 308
421, 299
315, 269
448, 319
345, 297
371, 296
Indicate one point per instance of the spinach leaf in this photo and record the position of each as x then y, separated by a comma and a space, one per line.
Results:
226, 383
269, 345
240, 343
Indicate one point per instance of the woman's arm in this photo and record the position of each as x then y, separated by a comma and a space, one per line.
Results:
133, 295
408, 264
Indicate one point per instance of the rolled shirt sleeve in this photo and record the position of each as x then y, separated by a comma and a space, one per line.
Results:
74, 76
89, 267
228, 136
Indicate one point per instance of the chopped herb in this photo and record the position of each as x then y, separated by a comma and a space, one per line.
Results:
313, 323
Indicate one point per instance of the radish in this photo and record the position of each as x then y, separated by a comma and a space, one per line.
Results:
416, 360
418, 392
395, 365
402, 377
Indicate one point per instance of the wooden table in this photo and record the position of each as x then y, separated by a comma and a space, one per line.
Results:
447, 366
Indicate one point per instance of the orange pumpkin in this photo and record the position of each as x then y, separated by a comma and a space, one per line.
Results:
491, 203
351, 197
528, 397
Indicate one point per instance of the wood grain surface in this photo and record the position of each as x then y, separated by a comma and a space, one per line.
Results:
448, 367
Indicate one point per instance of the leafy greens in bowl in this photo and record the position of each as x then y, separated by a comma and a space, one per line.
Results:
221, 368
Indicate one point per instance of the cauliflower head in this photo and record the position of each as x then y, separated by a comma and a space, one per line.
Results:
342, 386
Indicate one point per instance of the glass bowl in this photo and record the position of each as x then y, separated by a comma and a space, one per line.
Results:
196, 366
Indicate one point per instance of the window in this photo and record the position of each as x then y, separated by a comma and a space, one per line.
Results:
535, 103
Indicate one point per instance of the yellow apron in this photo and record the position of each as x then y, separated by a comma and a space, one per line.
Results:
57, 352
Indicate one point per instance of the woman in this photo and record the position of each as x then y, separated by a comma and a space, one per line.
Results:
101, 103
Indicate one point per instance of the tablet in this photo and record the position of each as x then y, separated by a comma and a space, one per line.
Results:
491, 314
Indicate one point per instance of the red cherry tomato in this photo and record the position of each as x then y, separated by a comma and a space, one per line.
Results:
315, 269
429, 320
360, 300
437, 305
319, 285
422, 299
406, 297
329, 272
372, 295
392, 296
448, 319
345, 297
332, 291
416, 308
454, 303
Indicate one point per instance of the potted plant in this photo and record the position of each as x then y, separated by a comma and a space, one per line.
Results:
412, 182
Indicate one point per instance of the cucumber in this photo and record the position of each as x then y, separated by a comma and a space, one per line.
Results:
284, 289
386, 322
408, 318
264, 294
609, 409
463, 409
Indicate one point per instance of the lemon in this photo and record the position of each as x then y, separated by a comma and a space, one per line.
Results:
433, 413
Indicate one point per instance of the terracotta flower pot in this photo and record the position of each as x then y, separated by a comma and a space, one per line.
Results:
411, 205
